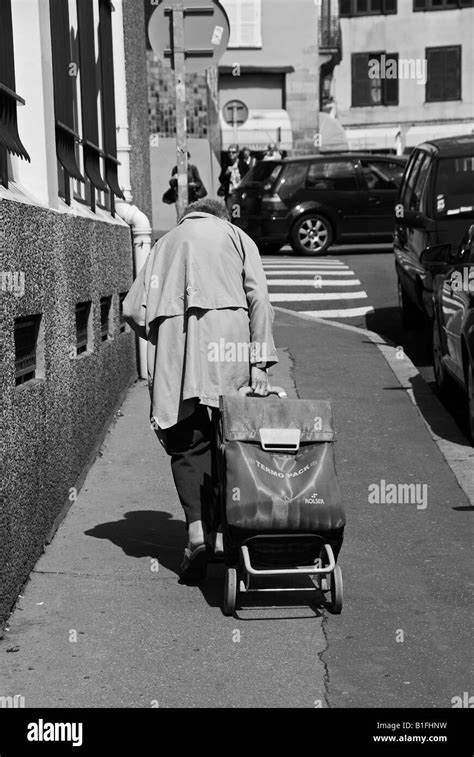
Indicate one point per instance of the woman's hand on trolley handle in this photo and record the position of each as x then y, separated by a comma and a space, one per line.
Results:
259, 381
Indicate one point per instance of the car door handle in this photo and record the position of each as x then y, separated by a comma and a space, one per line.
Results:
374, 201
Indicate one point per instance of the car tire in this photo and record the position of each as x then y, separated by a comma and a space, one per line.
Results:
409, 314
311, 234
438, 365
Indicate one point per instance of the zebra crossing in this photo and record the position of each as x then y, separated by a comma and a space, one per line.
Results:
324, 288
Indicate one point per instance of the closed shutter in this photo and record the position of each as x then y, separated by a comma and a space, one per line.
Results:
9, 137
444, 74
90, 129
452, 74
66, 136
360, 80
391, 85
108, 98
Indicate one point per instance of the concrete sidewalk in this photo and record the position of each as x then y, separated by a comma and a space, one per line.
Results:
103, 622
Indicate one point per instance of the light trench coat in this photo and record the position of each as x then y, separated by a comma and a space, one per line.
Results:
201, 301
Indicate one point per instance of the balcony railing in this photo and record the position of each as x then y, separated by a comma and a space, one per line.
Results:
329, 34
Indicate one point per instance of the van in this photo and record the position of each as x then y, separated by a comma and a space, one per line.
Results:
435, 205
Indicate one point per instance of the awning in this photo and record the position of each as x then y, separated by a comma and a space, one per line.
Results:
372, 138
424, 132
333, 134
261, 127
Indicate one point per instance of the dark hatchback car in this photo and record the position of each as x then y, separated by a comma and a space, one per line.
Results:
316, 200
453, 322
435, 205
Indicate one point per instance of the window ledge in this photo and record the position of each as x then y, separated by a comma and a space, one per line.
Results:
16, 192
86, 353
29, 384
80, 209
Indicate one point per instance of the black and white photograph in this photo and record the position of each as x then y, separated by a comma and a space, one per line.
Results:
237, 349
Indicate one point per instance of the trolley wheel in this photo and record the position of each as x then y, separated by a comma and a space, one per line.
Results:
230, 591
336, 590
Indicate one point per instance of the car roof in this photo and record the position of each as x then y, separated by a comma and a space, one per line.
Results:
449, 146
344, 155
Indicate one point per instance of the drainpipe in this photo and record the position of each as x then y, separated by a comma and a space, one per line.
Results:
140, 225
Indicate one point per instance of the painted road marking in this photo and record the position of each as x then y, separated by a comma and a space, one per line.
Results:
309, 297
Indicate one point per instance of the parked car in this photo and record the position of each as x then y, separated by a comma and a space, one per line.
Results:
435, 203
453, 321
315, 200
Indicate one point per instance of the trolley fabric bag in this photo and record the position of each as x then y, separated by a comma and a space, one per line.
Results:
276, 468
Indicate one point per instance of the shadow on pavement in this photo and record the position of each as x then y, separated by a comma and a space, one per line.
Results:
146, 533
156, 534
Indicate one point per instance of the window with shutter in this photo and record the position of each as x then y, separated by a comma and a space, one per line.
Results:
89, 93
441, 5
361, 84
63, 82
9, 138
390, 88
245, 19
366, 7
443, 73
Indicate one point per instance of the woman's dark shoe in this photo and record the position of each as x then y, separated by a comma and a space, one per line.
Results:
194, 566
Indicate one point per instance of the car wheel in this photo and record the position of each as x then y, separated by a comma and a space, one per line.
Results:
438, 365
311, 235
408, 311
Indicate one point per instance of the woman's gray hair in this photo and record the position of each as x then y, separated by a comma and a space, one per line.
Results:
208, 205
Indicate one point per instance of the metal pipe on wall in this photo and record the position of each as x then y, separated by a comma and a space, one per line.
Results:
131, 214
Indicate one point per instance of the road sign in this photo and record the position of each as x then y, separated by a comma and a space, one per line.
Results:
235, 113
206, 33
190, 36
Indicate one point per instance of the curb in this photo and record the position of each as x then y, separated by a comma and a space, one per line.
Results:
457, 453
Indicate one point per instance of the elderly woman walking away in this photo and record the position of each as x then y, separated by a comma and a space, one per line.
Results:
201, 301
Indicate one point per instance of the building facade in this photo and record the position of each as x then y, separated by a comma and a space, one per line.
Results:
280, 66
407, 72
73, 156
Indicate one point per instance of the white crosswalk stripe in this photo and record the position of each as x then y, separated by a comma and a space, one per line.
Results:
341, 288
317, 282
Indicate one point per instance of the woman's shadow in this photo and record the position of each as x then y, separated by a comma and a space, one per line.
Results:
157, 535
146, 533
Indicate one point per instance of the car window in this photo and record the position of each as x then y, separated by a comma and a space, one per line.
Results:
411, 178
426, 202
332, 175
419, 185
266, 170
454, 186
293, 179
381, 174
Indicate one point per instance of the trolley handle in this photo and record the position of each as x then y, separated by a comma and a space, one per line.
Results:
278, 390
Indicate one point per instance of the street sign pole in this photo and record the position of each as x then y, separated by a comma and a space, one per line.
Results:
180, 86
234, 122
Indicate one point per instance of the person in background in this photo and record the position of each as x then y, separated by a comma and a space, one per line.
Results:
246, 161
272, 152
230, 176
196, 189
202, 285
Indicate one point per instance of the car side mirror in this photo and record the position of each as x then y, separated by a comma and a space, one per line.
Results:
412, 219
437, 258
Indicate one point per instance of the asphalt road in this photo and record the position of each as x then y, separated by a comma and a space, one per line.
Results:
372, 267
